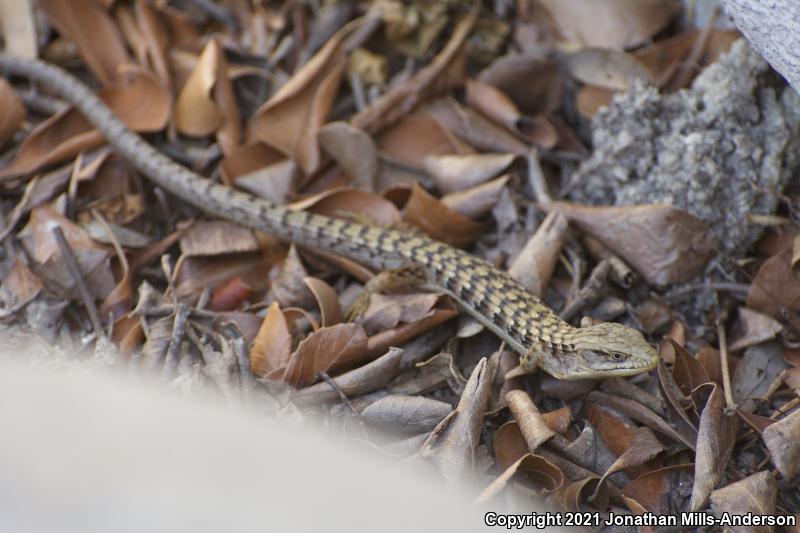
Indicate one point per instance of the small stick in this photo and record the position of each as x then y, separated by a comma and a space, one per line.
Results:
231, 333
178, 330
342, 396
590, 292
726, 371
72, 266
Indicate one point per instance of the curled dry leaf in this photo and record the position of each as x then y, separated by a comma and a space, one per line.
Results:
611, 23
534, 471
141, 103
453, 443
664, 244
353, 150
533, 83
217, 237
687, 371
368, 378
19, 286
573, 496
616, 430
558, 420
408, 415
783, 442
327, 299
755, 494
606, 68
537, 260
509, 445
453, 173
380, 342
273, 343
101, 47
439, 221
529, 420
290, 120
196, 274
288, 288
643, 446
476, 129
416, 138
654, 490
327, 349
387, 311
775, 286
155, 40
11, 113
476, 202
206, 103
716, 436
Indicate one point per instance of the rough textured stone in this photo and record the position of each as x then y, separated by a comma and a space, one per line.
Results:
723, 149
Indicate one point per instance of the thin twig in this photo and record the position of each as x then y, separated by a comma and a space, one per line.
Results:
342, 396
590, 292
178, 330
536, 178
726, 372
231, 333
72, 266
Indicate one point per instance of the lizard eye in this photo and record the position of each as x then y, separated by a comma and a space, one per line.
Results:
616, 355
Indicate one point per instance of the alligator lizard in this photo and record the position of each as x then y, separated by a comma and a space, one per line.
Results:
490, 295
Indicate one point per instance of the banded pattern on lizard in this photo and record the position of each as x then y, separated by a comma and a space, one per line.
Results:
490, 295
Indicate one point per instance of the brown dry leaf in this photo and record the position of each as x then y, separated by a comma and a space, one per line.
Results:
87, 24
615, 24
753, 495
509, 445
363, 380
687, 371
40, 244
249, 158
387, 311
532, 470
642, 447
477, 202
453, 443
155, 40
18, 27
616, 430
327, 299
415, 138
606, 68
529, 420
289, 288
230, 295
535, 84
141, 103
493, 103
353, 150
273, 343
439, 221
443, 72
640, 413
196, 274
217, 237
206, 103
536, 262
408, 415
127, 334
453, 173
783, 442
327, 349
716, 436
475, 129
558, 420
752, 328
709, 358
590, 99
775, 286
345, 201
290, 120
680, 406
572, 497
654, 490
381, 342
664, 244
11, 113
248, 323
19, 286
758, 423
757, 370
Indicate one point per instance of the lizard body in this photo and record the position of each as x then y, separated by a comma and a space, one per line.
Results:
490, 295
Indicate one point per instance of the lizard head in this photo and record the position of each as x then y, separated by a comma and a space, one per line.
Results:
603, 350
